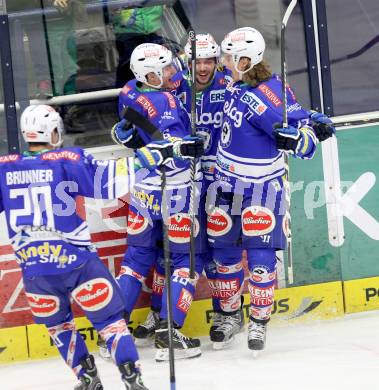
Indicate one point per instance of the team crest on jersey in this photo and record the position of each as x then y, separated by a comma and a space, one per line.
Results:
254, 102
43, 305
179, 228
206, 135
93, 295
137, 223
257, 221
217, 96
218, 222
226, 134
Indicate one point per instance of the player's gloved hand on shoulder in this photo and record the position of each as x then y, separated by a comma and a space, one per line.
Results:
322, 126
189, 147
155, 154
124, 133
287, 138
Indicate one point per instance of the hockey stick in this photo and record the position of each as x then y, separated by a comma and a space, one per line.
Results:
286, 16
192, 37
145, 125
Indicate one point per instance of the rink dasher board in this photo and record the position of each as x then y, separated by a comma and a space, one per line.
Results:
292, 305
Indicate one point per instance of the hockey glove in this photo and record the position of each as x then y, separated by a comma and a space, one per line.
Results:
322, 126
189, 147
287, 139
155, 154
124, 133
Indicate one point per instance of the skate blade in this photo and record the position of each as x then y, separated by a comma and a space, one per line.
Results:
105, 355
255, 353
162, 355
147, 342
218, 345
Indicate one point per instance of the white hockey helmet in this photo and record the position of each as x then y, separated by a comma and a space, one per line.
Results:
244, 42
150, 57
39, 122
206, 47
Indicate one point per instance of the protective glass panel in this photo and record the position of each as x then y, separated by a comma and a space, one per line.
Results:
353, 28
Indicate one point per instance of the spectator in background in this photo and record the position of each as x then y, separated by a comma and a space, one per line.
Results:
133, 27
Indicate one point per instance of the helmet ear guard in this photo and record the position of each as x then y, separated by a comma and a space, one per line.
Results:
150, 58
244, 42
38, 124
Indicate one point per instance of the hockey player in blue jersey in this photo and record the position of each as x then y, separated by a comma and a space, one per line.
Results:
250, 207
153, 68
210, 89
52, 243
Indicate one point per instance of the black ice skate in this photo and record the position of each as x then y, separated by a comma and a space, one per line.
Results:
229, 325
103, 350
131, 377
89, 379
144, 333
216, 322
185, 347
256, 336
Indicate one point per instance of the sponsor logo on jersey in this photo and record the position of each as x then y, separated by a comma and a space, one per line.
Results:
254, 102
293, 96
158, 283
145, 200
209, 118
137, 223
147, 105
43, 305
226, 165
179, 227
167, 115
93, 295
224, 288
261, 296
9, 158
126, 89
231, 112
286, 225
257, 220
271, 96
217, 96
185, 300
293, 107
46, 253
218, 222
262, 274
63, 155
171, 99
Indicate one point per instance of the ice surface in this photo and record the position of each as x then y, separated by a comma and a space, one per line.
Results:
341, 354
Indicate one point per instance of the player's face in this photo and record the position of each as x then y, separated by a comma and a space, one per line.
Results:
205, 68
168, 73
228, 62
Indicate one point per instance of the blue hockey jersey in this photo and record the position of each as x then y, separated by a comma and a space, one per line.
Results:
247, 149
165, 111
209, 105
37, 194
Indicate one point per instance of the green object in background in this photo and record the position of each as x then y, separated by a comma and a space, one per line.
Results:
315, 259
138, 20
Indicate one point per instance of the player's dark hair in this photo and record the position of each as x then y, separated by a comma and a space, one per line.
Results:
259, 73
